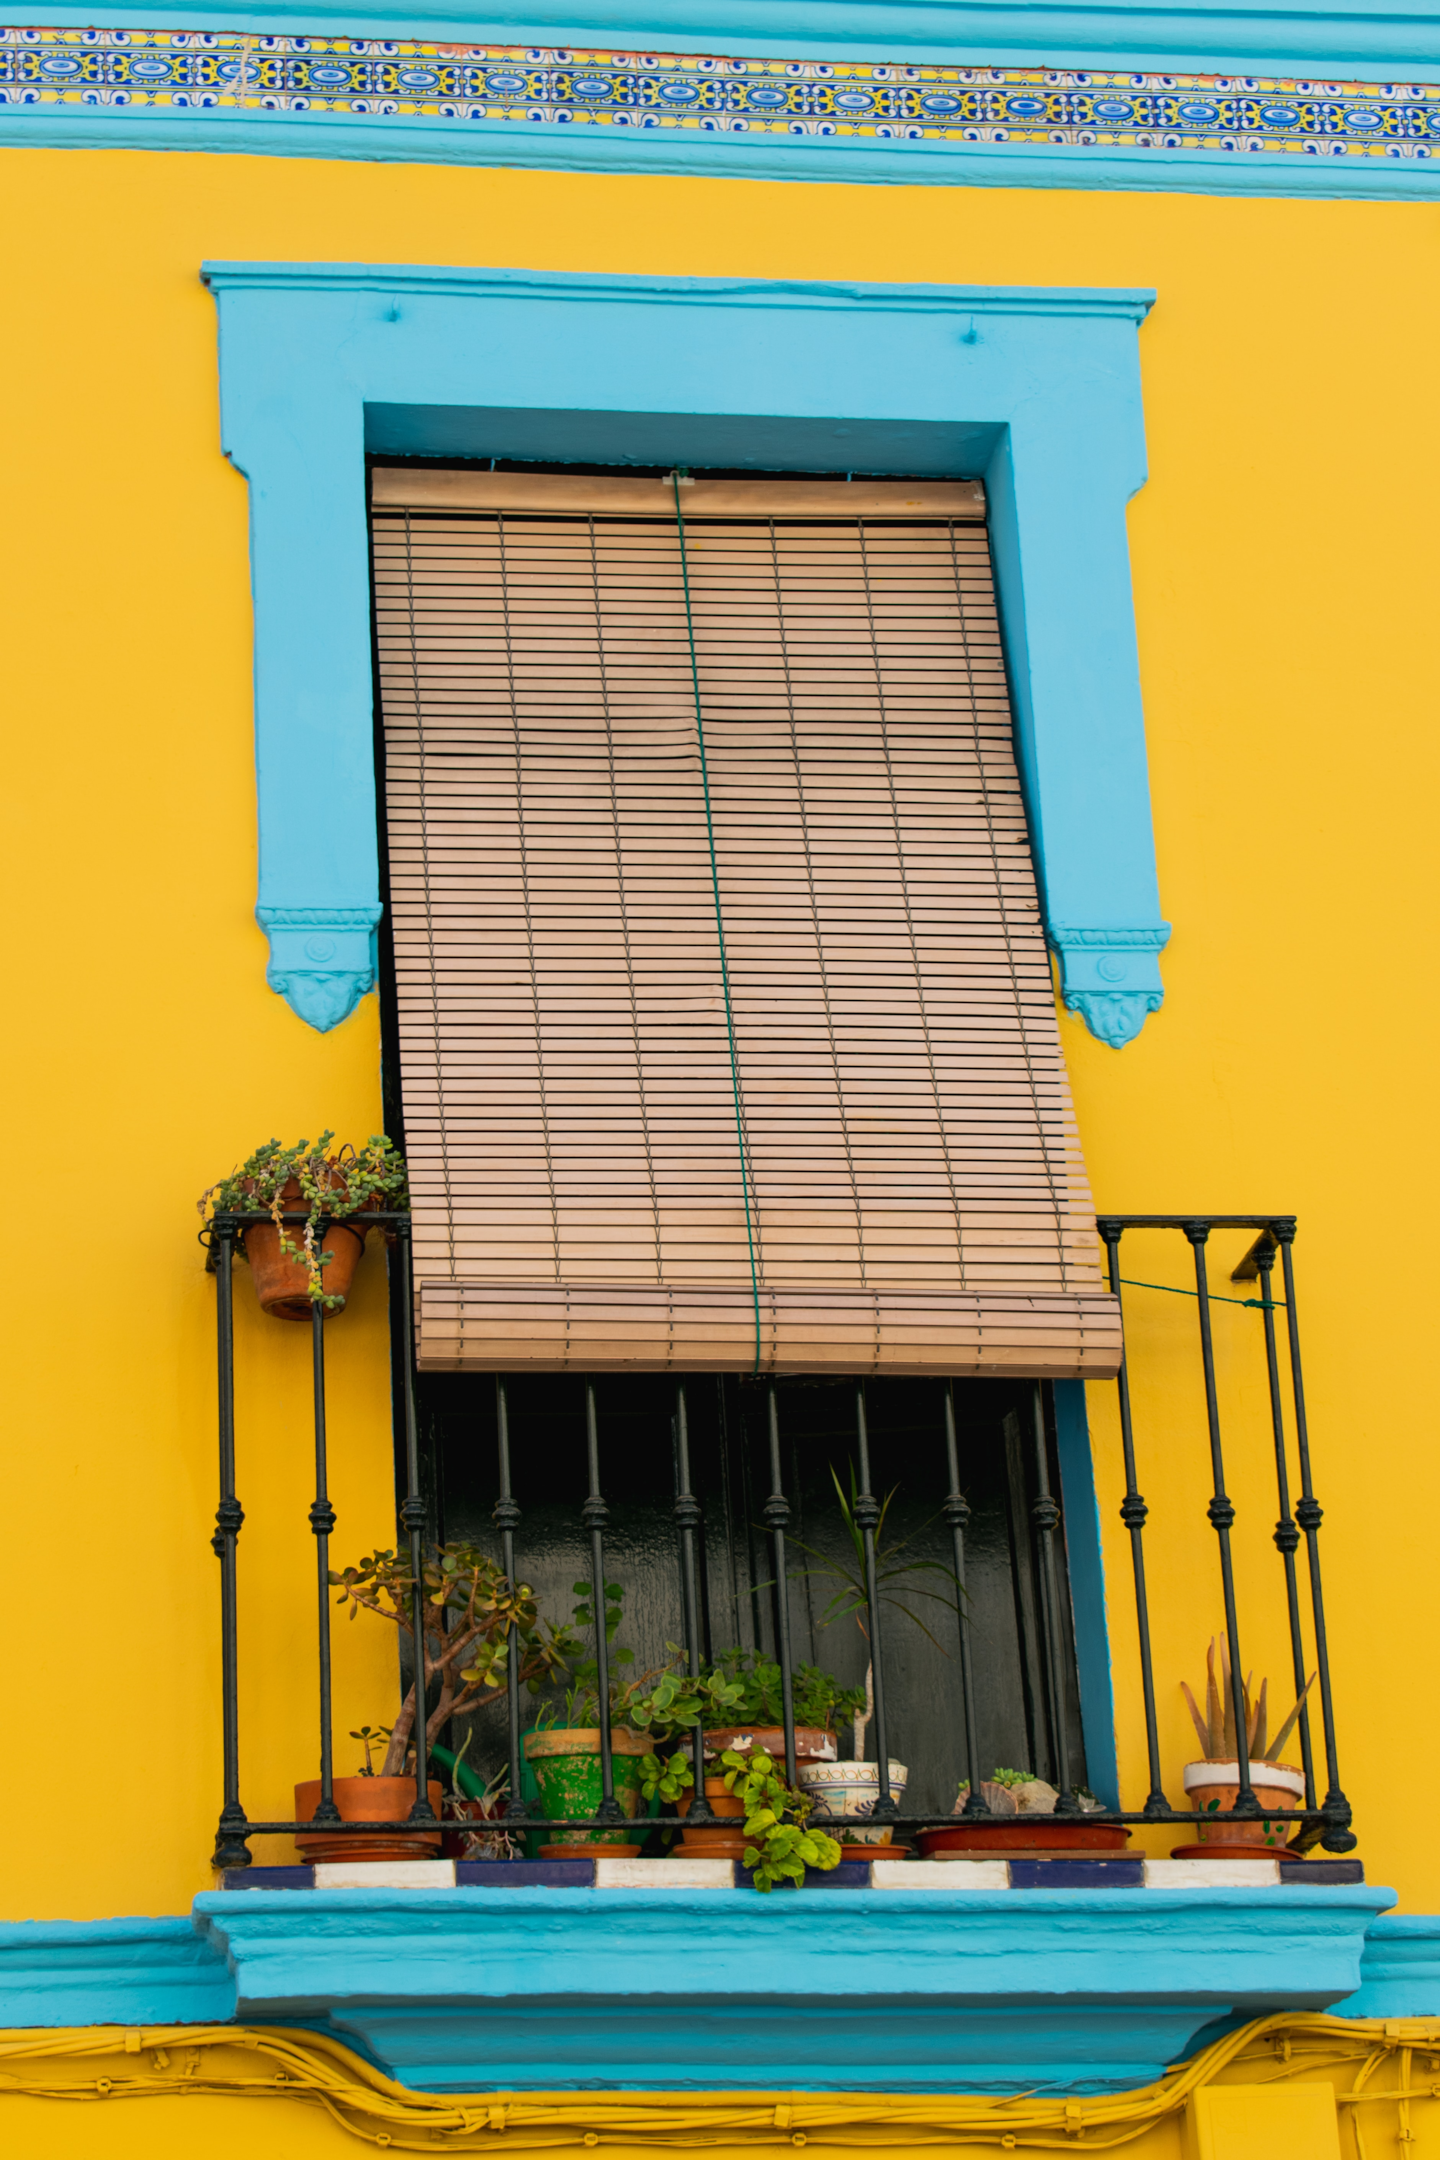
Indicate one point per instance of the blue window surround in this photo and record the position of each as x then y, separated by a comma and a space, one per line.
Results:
1037, 391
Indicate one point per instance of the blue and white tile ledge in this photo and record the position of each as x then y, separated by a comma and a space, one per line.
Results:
649, 1981
370, 97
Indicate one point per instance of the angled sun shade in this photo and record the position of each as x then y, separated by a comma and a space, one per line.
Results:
726, 1028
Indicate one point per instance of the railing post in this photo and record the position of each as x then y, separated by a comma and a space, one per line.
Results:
1287, 1535
231, 1848
1222, 1515
867, 1515
776, 1512
956, 1511
689, 1519
507, 1521
595, 1514
1133, 1513
412, 1515
1338, 1836
1045, 1515
322, 1522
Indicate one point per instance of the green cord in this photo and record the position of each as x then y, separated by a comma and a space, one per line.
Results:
719, 921
1257, 1304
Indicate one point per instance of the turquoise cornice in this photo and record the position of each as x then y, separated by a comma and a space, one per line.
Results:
1036, 390
1388, 38
982, 120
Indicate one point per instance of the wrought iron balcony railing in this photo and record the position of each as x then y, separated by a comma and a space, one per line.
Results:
1323, 1819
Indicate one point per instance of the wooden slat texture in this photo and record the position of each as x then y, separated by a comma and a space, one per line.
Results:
897, 1116
414, 487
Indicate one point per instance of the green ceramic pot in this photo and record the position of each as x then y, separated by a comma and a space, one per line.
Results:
566, 1764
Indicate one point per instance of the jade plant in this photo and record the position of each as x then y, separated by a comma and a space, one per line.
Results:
1216, 1728
333, 1185
470, 1611
776, 1823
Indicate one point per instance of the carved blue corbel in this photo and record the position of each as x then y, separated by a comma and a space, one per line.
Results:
1111, 977
322, 960
1035, 390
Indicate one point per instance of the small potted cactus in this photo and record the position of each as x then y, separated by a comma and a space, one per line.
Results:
1212, 1785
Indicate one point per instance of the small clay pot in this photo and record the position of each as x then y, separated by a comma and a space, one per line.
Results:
283, 1285
367, 1799
566, 1763
717, 1844
1279, 1788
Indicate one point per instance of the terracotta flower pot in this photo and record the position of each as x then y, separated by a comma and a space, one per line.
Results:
813, 1743
717, 1844
283, 1285
566, 1763
367, 1799
1025, 1836
1279, 1788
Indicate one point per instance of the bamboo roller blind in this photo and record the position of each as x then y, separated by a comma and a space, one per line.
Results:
822, 1127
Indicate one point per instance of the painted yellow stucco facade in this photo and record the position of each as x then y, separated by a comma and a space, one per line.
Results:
1283, 561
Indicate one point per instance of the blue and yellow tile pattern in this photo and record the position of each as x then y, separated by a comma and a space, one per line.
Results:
206, 71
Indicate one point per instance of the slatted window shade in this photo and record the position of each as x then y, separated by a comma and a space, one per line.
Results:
771, 1082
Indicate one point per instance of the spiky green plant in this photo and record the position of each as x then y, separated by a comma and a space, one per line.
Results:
1217, 1727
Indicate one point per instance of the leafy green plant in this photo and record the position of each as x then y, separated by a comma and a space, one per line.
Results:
740, 1687
668, 1775
579, 1707
781, 1844
896, 1586
1217, 1727
332, 1187
370, 1737
469, 1611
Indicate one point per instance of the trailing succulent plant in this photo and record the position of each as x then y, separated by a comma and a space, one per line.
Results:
781, 1845
332, 1187
1217, 1727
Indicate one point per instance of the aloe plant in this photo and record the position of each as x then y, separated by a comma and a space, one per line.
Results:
1217, 1727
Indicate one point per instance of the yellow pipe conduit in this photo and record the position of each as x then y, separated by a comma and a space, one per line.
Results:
1383, 2071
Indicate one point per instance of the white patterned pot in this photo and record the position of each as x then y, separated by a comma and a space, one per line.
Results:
851, 1789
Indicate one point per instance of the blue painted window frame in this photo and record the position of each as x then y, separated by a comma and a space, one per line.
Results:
1037, 391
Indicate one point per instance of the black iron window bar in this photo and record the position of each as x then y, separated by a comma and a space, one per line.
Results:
1326, 1821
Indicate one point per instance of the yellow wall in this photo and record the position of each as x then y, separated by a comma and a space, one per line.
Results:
1284, 591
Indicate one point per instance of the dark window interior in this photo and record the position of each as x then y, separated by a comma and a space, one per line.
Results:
727, 1417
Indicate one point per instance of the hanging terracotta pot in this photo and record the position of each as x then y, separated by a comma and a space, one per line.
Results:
367, 1799
283, 1285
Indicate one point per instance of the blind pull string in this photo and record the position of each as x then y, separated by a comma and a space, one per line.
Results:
675, 481
1256, 1304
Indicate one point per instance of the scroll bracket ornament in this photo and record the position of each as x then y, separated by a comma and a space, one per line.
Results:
322, 960
1111, 976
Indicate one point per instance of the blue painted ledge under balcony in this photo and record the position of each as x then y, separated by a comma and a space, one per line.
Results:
894, 1990
968, 1990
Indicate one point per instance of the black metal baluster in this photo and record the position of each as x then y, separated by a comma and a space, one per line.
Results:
1133, 1513
506, 1517
867, 1515
595, 1515
1045, 1514
956, 1511
777, 1517
1222, 1515
1287, 1535
322, 1522
231, 1848
412, 1515
1338, 1837
689, 1519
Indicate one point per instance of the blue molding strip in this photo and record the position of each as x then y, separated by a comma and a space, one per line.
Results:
1038, 390
799, 119
1278, 38
1084, 1556
1400, 1971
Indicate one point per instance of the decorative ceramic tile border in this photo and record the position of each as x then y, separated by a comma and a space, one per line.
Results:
215, 72
1085, 1872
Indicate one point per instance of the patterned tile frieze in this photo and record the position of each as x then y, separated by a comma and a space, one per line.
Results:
199, 71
